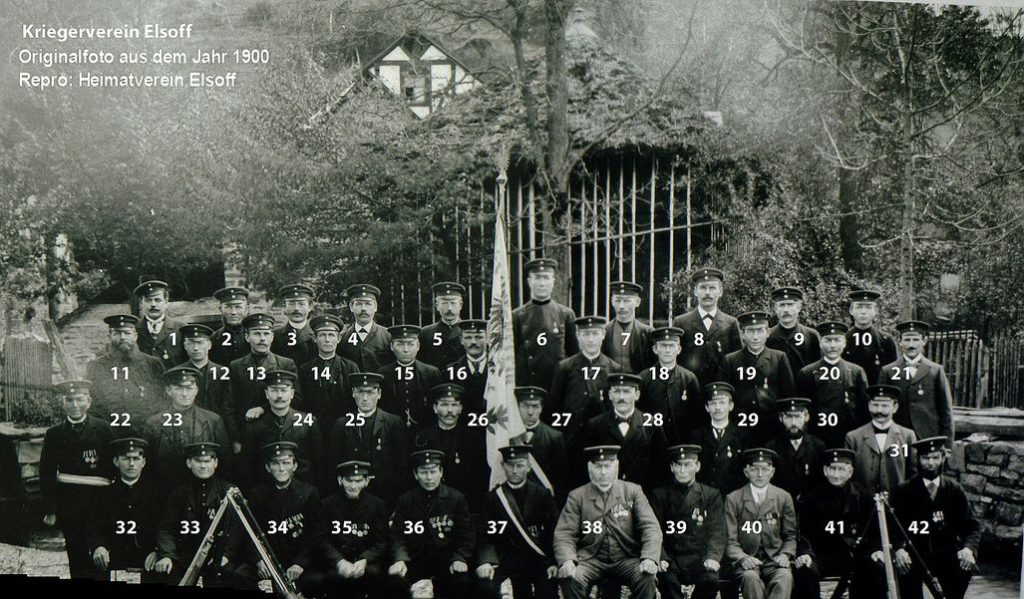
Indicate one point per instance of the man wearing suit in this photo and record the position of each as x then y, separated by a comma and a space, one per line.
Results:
925, 394
639, 435
325, 380
607, 528
626, 339
213, 378
374, 436
671, 390
721, 441
798, 342
470, 370
762, 525
837, 388
940, 523
799, 467
760, 376
580, 383
294, 340
228, 341
465, 451
407, 380
542, 328
547, 443
710, 332
364, 341
156, 329
440, 343
868, 346
883, 450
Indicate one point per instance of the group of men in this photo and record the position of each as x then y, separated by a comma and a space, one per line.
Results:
718, 453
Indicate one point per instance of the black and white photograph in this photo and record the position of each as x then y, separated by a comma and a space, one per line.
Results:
512, 299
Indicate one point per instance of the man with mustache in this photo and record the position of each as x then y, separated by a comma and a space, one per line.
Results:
925, 394
837, 388
883, 450
465, 451
228, 341
799, 451
868, 346
543, 329
721, 441
156, 330
710, 333
799, 342
294, 339
470, 370
626, 339
325, 380
547, 443
213, 377
439, 342
364, 341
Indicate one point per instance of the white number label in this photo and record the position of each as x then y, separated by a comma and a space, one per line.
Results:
414, 528
675, 527
899, 450
405, 373
125, 527
496, 527
478, 419
746, 373
189, 527
747, 419
593, 527
829, 373
542, 339
120, 373
799, 338
122, 419
322, 374
342, 528
355, 419
660, 372
698, 339
275, 528
437, 339
897, 372
560, 419
653, 419
457, 374
830, 419
226, 340
862, 338
834, 527
752, 528
590, 373
172, 419
304, 419
625, 338
257, 373
174, 338
293, 339
918, 527
220, 373
353, 338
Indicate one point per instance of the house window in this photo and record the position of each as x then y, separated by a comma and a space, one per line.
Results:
415, 86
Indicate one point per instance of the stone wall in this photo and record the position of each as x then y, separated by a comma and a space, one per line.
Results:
992, 474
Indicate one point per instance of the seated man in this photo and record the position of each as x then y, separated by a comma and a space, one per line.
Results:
762, 526
607, 527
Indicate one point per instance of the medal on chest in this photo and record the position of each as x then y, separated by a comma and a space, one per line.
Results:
728, 451
294, 524
937, 516
771, 519
619, 511
555, 330
683, 396
378, 444
697, 516
457, 457
442, 524
90, 457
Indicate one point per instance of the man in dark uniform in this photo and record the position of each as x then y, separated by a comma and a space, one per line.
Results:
126, 383
432, 531
671, 390
721, 441
516, 525
124, 535
939, 521
710, 333
465, 451
868, 346
181, 423
188, 514
292, 517
542, 328
439, 342
325, 380
927, 400
470, 370
229, 342
837, 388
692, 519
760, 375
364, 341
74, 467
374, 436
213, 377
579, 389
156, 329
639, 435
626, 339
549, 451
407, 380
282, 422
800, 452
294, 340
798, 342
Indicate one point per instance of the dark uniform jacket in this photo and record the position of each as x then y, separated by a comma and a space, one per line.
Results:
632, 346
405, 392
168, 434
626, 517
798, 469
945, 525
82, 450
676, 398
773, 380
704, 350
371, 353
327, 389
720, 462
228, 345
702, 534
126, 521
448, 533
301, 428
214, 392
778, 530
536, 355
165, 346
871, 356
357, 529
248, 389
298, 345
193, 503
643, 449
298, 529
139, 395
473, 379
831, 520
382, 441
801, 344
504, 546
582, 393
846, 396
882, 469
926, 405
465, 458
440, 344
550, 452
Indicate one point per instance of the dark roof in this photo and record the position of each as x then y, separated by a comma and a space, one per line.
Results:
414, 44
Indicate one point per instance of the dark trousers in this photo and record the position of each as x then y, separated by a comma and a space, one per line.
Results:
76, 543
685, 573
624, 571
529, 580
447, 585
952, 580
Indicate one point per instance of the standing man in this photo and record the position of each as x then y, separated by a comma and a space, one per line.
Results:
470, 370
798, 342
213, 377
326, 379
547, 444
607, 528
837, 388
364, 341
800, 453
294, 340
692, 517
762, 525
671, 390
868, 346
156, 329
228, 341
626, 339
465, 451
543, 329
74, 467
721, 441
883, 450
407, 380
760, 376
940, 523
439, 342
710, 332
282, 422
925, 394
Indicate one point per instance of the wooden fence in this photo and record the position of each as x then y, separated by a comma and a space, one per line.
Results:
982, 374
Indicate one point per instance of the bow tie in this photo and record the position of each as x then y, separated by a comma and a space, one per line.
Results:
622, 419
880, 431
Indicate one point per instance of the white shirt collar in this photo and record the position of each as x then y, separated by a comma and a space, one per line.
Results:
932, 481
703, 314
913, 362
78, 421
758, 493
827, 361
157, 321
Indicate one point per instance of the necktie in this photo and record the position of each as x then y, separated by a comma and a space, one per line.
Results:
718, 432
623, 425
912, 370
154, 327
933, 488
528, 437
707, 322
362, 334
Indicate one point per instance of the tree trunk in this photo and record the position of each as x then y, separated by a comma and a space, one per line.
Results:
849, 223
557, 152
